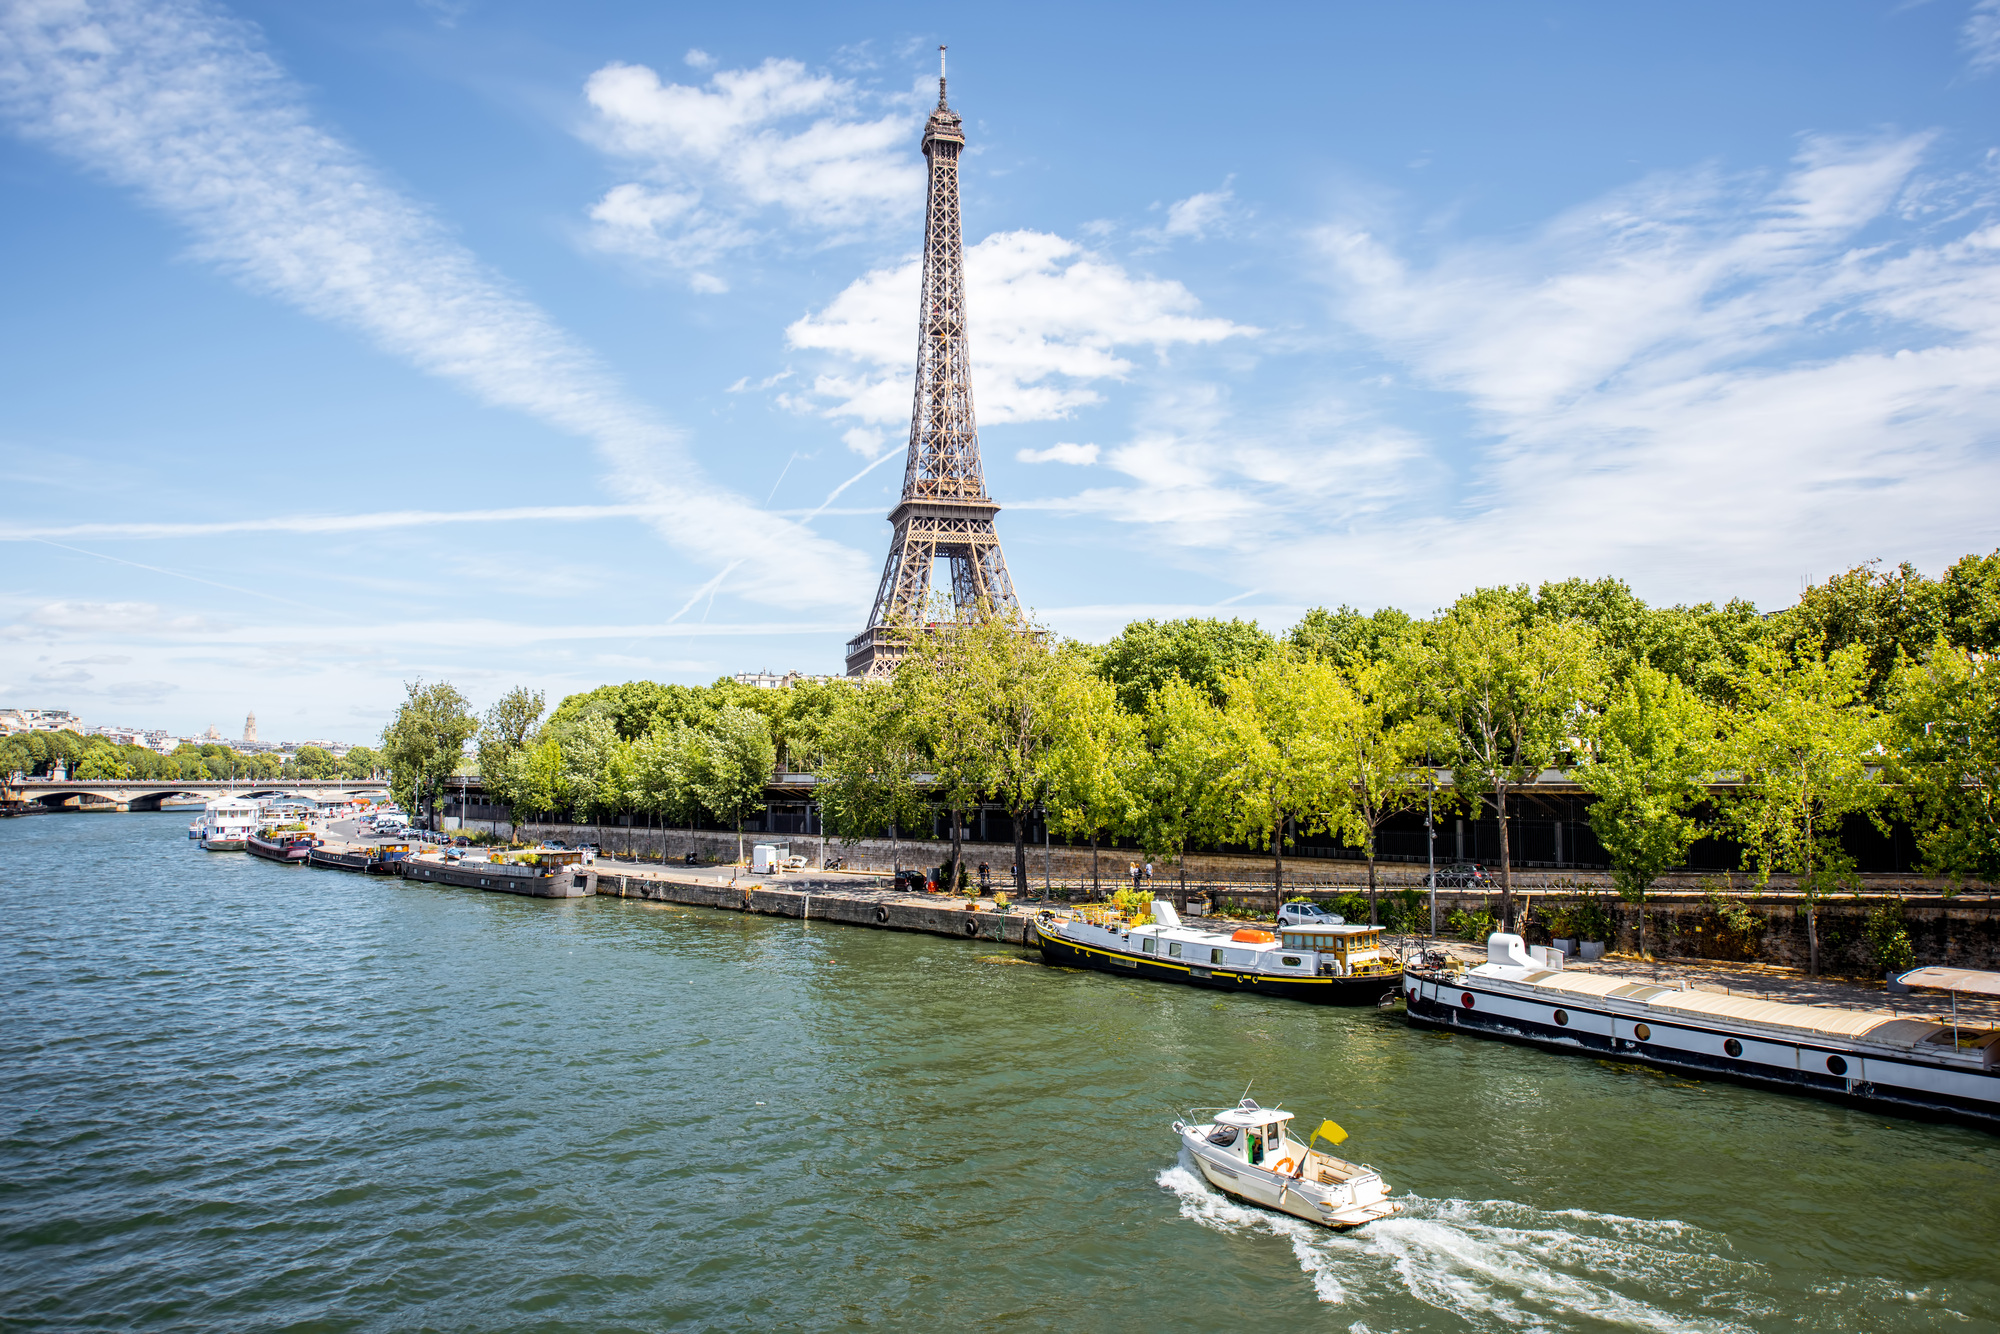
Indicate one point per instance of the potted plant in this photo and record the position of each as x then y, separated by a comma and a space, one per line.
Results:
1593, 924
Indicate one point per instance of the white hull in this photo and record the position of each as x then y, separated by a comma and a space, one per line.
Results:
1350, 1203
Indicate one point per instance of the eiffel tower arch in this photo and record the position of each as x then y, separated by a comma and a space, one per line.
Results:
945, 513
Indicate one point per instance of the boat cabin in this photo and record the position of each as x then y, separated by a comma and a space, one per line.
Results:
1256, 1135
1350, 946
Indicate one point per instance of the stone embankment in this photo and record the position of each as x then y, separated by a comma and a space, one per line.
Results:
825, 899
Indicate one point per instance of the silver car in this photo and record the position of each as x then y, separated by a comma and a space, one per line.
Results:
1308, 914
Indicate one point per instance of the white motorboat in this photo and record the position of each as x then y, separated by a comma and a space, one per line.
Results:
1248, 1152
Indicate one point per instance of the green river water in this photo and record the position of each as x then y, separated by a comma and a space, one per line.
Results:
240, 1096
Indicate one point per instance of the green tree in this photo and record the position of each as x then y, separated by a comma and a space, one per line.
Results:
509, 726
425, 741
1200, 652
1654, 746
1944, 759
1340, 635
1093, 763
1383, 742
1289, 776
1181, 789
1511, 689
870, 759
266, 767
664, 763
1970, 592
361, 762
1887, 614
534, 780
588, 741
1803, 738
733, 767
315, 762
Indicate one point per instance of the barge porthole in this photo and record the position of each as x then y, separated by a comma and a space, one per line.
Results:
1413, 994
1465, 999
1732, 1047
1292, 960
1836, 1064
1562, 1017
1643, 1033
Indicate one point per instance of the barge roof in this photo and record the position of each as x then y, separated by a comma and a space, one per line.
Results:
1825, 1020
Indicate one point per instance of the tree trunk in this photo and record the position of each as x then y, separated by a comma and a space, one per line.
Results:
1373, 919
1180, 900
739, 840
895, 852
1812, 901
1278, 866
1506, 861
1020, 857
957, 850
1096, 886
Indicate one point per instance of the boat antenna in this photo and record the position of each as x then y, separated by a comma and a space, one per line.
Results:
1246, 1094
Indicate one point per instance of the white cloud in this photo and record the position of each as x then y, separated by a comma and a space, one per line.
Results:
1046, 318
1981, 36
832, 159
696, 58
180, 102
1197, 214
1702, 381
133, 619
70, 676
1059, 453
864, 440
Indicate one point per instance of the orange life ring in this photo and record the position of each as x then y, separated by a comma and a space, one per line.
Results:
1284, 1167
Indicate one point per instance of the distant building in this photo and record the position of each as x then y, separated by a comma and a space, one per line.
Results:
38, 720
250, 726
773, 681
213, 734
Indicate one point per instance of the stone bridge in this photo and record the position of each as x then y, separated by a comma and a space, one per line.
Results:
146, 795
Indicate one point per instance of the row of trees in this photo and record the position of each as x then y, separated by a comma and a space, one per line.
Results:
1874, 697
96, 758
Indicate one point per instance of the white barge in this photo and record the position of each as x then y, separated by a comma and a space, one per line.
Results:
1905, 1063
1335, 964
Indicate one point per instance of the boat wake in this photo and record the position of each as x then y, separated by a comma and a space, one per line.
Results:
1499, 1265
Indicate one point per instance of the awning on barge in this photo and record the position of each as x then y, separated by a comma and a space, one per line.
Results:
1969, 980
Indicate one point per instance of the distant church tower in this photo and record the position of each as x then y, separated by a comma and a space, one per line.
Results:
945, 512
250, 726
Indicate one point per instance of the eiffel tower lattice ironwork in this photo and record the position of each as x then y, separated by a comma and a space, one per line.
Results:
945, 512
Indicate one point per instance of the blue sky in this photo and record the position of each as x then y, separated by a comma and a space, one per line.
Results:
347, 344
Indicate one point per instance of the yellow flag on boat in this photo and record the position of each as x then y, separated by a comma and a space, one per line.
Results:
1330, 1132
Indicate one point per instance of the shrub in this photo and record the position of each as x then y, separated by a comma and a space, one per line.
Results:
1474, 924
1889, 938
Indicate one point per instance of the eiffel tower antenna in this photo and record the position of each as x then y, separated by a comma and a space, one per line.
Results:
945, 512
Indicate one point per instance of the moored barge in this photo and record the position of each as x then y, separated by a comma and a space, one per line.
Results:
1331, 964
291, 846
552, 875
1905, 1063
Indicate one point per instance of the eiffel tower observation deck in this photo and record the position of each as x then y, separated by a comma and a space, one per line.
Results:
945, 512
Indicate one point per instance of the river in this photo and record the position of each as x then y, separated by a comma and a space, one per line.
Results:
241, 1096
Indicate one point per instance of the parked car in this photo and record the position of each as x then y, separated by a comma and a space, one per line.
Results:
1459, 875
795, 862
1308, 914
554, 843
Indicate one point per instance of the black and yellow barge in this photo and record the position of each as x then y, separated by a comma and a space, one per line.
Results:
1325, 964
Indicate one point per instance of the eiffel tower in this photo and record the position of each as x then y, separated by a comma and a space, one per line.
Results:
945, 511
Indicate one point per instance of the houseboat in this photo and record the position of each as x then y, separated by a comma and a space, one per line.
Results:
227, 823
1330, 963
290, 844
1902, 1063
551, 875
